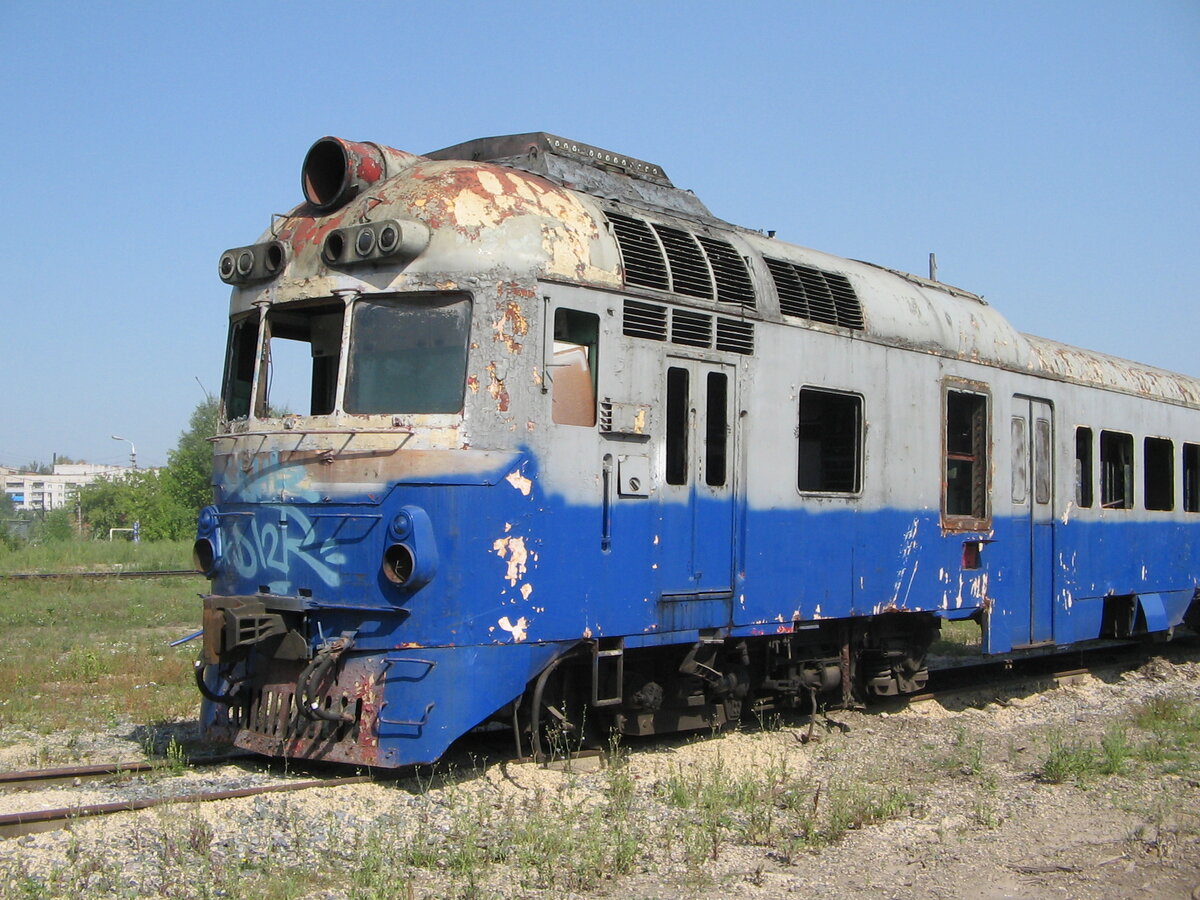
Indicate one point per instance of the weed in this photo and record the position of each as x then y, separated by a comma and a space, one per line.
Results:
1115, 750
967, 755
1069, 760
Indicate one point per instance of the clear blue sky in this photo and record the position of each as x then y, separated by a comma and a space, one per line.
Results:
1048, 153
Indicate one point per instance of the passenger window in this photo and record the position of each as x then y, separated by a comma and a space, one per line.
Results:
1158, 460
1084, 492
830, 439
573, 369
1191, 478
1116, 470
966, 454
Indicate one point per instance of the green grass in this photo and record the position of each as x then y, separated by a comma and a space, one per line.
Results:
88, 653
96, 556
958, 638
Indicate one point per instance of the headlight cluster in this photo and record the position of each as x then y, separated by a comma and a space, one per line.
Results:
374, 241
258, 262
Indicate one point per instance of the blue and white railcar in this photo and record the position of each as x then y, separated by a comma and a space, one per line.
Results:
567, 450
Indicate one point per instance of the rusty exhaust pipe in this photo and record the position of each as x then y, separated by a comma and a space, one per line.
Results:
335, 171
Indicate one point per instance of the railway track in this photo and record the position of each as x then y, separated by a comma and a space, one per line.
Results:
63, 576
1032, 673
48, 819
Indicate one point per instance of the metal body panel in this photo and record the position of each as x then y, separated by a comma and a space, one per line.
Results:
494, 540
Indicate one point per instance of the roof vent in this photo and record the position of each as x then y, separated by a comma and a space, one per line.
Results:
816, 295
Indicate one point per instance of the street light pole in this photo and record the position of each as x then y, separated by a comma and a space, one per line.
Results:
132, 451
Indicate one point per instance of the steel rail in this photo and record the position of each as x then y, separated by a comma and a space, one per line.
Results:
33, 821
163, 573
36, 778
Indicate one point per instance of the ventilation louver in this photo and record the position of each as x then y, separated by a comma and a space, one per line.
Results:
687, 327
815, 295
640, 252
671, 259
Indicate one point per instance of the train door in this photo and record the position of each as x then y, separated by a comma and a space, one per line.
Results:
1033, 505
698, 483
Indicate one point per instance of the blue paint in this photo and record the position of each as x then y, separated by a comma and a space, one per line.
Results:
518, 578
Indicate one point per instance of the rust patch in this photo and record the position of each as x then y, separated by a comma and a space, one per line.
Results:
511, 326
496, 388
473, 383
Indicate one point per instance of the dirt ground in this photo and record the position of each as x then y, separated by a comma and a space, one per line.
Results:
972, 806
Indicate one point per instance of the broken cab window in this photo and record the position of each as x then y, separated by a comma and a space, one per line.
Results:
239, 366
408, 354
301, 349
573, 368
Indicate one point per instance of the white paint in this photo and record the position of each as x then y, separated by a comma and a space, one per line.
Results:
516, 629
512, 549
519, 481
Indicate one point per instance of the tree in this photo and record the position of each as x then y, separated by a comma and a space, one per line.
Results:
189, 466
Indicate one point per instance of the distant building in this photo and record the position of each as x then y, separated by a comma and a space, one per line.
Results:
29, 490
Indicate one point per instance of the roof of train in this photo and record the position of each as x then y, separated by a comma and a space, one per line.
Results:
539, 201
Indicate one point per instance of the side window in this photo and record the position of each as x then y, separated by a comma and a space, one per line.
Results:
966, 471
830, 440
1083, 468
1191, 478
573, 369
1116, 470
1158, 460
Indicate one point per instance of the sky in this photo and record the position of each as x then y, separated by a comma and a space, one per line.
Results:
1047, 152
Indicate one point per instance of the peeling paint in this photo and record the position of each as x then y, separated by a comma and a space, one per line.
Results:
520, 482
513, 550
526, 590
517, 629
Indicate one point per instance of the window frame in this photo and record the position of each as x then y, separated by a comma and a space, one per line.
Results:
978, 519
1108, 438
859, 442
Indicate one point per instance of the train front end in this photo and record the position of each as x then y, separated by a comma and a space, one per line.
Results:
368, 592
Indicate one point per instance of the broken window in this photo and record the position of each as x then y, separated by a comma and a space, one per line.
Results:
239, 366
1191, 477
408, 354
966, 454
1084, 491
1158, 466
1116, 470
830, 440
677, 425
573, 369
300, 358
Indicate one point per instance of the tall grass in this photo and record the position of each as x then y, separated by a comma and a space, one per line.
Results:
89, 654
95, 556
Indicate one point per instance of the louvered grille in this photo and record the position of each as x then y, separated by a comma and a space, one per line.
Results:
645, 320
687, 327
729, 269
689, 269
640, 252
691, 329
815, 295
735, 336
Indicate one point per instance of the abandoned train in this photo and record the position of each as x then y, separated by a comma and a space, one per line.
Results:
573, 453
